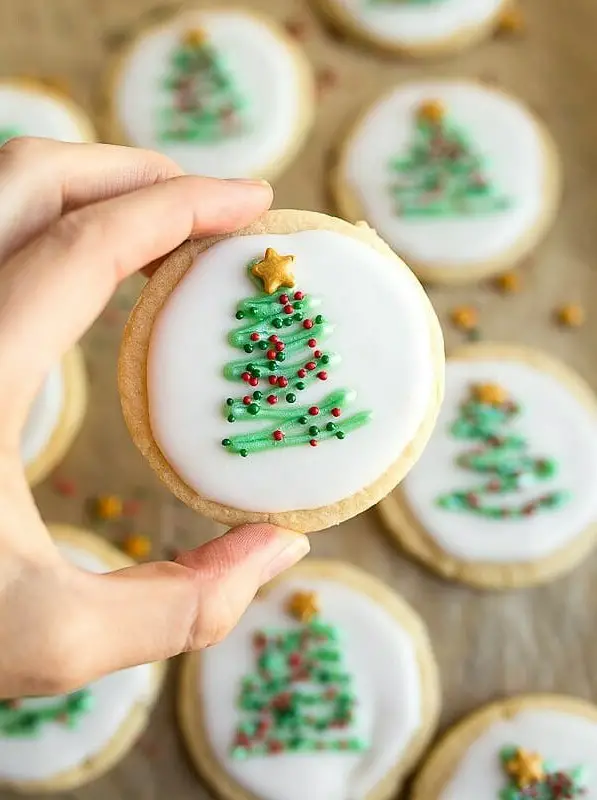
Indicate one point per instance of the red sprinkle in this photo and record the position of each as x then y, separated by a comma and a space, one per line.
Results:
335, 412
299, 296
273, 380
314, 411
273, 338
246, 400
245, 376
254, 337
310, 365
288, 309
308, 324
323, 376
272, 399
271, 354
278, 436
65, 487
318, 354
312, 342
253, 381
283, 299
280, 346
302, 373
313, 443
131, 507
282, 381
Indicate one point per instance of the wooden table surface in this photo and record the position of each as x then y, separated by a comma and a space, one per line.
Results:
487, 645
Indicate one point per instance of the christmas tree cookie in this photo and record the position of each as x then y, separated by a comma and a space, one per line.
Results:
251, 382
31, 108
504, 494
536, 746
419, 28
55, 744
327, 689
461, 179
224, 93
55, 418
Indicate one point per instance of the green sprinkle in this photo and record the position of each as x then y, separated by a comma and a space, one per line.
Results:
248, 348
300, 385
287, 322
239, 315
298, 304
253, 409
231, 418
257, 395
226, 442
303, 420
313, 430
263, 345
250, 366
229, 401
319, 319
272, 364
256, 372
331, 426
291, 398
281, 357
277, 322
325, 359
243, 453
340, 435
299, 316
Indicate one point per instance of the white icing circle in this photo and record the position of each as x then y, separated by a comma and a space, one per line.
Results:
498, 127
565, 739
43, 416
58, 748
30, 111
391, 370
556, 425
380, 657
415, 24
266, 72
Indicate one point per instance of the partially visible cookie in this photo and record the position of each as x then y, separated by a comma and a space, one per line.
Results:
327, 688
505, 493
224, 92
56, 744
533, 746
32, 108
419, 28
288, 373
55, 417
461, 179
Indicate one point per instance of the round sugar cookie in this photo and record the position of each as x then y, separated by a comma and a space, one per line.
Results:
55, 417
460, 178
289, 373
505, 494
31, 108
224, 92
55, 744
416, 28
327, 689
533, 746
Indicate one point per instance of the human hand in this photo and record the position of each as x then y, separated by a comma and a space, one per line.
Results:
75, 220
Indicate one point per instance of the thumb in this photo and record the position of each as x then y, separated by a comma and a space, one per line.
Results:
154, 611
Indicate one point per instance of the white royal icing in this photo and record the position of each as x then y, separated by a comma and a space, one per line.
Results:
412, 24
381, 333
497, 126
28, 111
380, 657
263, 68
58, 748
565, 739
43, 416
556, 426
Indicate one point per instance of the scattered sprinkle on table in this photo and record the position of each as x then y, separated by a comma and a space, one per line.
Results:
571, 315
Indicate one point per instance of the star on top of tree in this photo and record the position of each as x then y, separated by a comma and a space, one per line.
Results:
195, 37
432, 111
273, 271
525, 768
303, 606
491, 394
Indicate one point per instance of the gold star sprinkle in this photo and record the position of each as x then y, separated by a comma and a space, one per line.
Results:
491, 394
303, 606
508, 283
273, 271
195, 37
511, 21
431, 111
525, 768
571, 315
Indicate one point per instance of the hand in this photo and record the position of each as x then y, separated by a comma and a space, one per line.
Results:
75, 220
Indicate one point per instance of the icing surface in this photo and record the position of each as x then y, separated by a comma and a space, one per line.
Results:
44, 416
497, 126
382, 661
415, 24
30, 112
563, 738
259, 64
391, 371
556, 426
59, 748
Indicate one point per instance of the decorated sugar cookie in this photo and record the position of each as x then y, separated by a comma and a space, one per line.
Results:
505, 493
327, 689
55, 744
55, 417
416, 27
225, 93
291, 372
536, 746
458, 177
30, 108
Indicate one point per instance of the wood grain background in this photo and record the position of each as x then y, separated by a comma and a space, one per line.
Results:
487, 645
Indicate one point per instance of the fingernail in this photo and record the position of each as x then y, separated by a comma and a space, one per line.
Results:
292, 548
249, 181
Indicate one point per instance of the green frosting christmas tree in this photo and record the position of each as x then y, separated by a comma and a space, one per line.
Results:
26, 718
299, 699
484, 418
281, 337
205, 106
531, 777
442, 175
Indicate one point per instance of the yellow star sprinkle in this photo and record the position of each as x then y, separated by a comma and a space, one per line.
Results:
525, 768
195, 37
273, 271
431, 111
491, 394
303, 606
